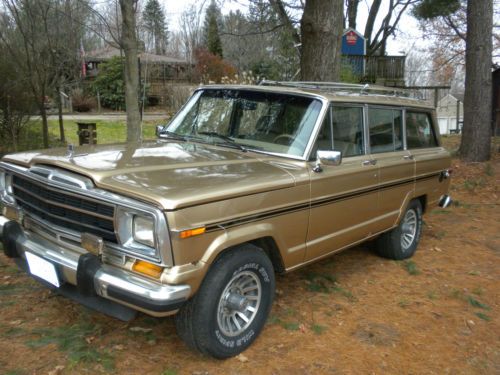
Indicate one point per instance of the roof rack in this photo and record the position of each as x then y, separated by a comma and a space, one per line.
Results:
346, 88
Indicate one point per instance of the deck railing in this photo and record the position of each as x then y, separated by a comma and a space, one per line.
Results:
374, 68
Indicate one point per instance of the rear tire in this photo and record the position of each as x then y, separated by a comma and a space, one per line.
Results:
231, 307
402, 241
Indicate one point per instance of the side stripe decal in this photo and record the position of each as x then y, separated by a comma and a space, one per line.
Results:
317, 203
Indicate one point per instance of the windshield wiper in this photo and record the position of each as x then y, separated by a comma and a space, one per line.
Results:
172, 135
227, 140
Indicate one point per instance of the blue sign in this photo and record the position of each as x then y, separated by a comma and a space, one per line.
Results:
353, 50
353, 43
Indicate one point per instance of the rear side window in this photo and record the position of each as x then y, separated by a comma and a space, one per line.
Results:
419, 132
386, 131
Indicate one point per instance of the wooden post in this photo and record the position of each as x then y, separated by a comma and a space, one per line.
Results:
98, 102
458, 116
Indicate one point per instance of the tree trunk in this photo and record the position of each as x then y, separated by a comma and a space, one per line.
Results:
370, 22
129, 44
321, 27
352, 13
45, 124
476, 137
60, 115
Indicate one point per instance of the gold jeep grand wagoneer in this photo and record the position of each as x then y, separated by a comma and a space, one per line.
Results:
243, 183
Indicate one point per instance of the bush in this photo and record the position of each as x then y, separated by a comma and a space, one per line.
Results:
82, 102
211, 68
110, 84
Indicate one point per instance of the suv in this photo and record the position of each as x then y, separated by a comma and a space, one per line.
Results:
243, 183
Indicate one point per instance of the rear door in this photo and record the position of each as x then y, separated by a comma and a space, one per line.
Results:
430, 158
396, 167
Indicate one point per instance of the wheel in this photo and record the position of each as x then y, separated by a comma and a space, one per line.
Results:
231, 306
402, 241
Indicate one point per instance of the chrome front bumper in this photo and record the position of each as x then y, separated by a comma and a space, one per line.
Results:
111, 283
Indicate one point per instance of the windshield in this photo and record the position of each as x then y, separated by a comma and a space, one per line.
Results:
262, 121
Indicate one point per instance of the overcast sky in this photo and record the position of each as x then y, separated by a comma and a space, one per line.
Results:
408, 36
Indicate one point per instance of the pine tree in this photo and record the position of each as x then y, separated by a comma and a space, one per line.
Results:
155, 27
211, 29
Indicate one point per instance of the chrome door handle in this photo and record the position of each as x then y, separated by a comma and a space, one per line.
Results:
409, 157
369, 162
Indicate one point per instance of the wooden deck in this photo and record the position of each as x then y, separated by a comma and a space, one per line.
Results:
373, 69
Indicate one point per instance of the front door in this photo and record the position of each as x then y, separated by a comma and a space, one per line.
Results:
343, 197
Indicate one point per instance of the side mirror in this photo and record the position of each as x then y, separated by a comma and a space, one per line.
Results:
159, 130
327, 158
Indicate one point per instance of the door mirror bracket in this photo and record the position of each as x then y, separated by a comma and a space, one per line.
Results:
327, 158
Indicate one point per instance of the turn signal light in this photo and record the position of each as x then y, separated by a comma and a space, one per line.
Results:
147, 268
192, 232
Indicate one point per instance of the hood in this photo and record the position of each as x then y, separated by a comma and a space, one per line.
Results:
170, 174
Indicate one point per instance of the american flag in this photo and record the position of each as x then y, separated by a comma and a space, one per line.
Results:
82, 56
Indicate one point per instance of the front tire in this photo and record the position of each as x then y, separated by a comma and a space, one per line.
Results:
231, 307
401, 242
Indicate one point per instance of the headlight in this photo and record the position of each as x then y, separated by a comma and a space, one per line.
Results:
144, 230
137, 232
2, 181
5, 182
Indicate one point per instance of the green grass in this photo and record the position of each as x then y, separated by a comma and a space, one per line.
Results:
290, 326
443, 212
440, 234
169, 371
73, 341
474, 273
461, 204
478, 291
483, 316
14, 332
474, 302
411, 267
344, 292
471, 184
432, 295
404, 303
318, 329
107, 132
8, 289
488, 170
319, 282
14, 372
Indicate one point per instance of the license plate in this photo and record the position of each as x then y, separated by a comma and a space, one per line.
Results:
42, 268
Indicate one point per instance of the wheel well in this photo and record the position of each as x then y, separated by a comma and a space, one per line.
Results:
269, 246
423, 202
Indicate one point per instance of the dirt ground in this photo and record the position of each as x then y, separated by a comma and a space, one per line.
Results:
353, 313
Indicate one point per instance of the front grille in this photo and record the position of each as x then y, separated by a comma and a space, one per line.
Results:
65, 210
